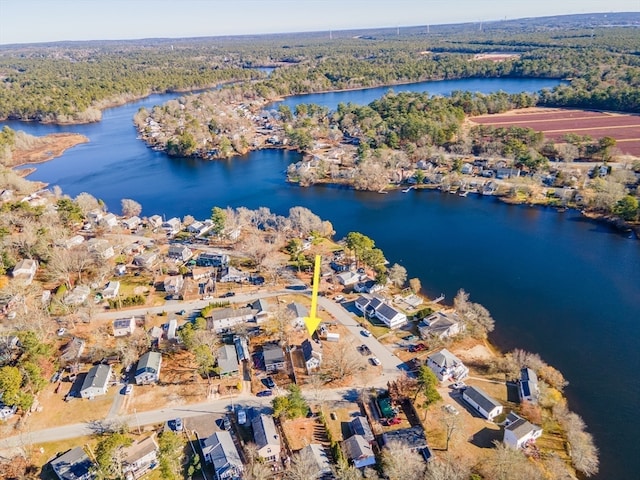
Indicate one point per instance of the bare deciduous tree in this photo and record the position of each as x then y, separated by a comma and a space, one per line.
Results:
130, 208
398, 275
87, 202
401, 462
448, 467
303, 466
415, 285
506, 463
341, 361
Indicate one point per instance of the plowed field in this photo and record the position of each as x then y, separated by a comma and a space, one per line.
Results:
556, 122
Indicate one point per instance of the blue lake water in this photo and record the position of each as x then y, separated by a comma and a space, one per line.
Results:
556, 283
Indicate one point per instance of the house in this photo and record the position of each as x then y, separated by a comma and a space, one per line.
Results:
359, 451
528, 386
171, 329
467, 169
96, 382
73, 465
481, 402
412, 437
124, 326
321, 463
77, 296
232, 274
146, 260
131, 223
273, 357
148, 369
7, 412
360, 426
299, 312
173, 284
219, 450
199, 228
368, 286
181, 253
154, 221
348, 278
25, 270
220, 320
312, 353
139, 458
266, 438
377, 307
111, 290
200, 273
212, 259
447, 366
504, 173
262, 308
171, 226
109, 221
100, 248
519, 432
242, 348
120, 269
74, 241
73, 350
228, 365
440, 325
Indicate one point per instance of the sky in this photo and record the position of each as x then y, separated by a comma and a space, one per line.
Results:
31, 21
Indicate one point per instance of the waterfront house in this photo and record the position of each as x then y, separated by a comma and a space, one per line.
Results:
154, 221
368, 286
228, 365
180, 253
377, 307
131, 223
220, 451
148, 369
348, 278
111, 290
173, 284
273, 357
139, 458
220, 320
171, 226
73, 465
312, 353
321, 464
96, 382
528, 386
25, 270
360, 426
440, 325
447, 366
481, 402
359, 452
266, 438
518, 432
109, 221
124, 326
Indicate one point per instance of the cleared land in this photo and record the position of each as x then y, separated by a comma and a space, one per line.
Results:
556, 122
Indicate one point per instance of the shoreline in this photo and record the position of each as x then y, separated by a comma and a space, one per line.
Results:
49, 147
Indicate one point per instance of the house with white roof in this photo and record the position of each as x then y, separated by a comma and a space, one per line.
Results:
131, 223
519, 432
348, 278
25, 270
220, 320
447, 366
171, 226
359, 451
111, 290
109, 221
101, 248
77, 296
440, 325
266, 438
481, 402
220, 451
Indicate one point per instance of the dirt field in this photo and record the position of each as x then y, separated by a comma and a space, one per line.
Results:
556, 122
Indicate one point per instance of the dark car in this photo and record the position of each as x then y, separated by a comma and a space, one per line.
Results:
264, 393
269, 383
228, 294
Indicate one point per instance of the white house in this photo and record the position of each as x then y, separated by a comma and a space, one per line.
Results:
171, 329
219, 450
109, 221
348, 278
139, 458
124, 326
266, 438
100, 248
359, 451
154, 221
148, 369
145, 260
519, 432
447, 366
131, 223
225, 318
377, 307
232, 274
528, 386
77, 296
481, 402
96, 382
321, 462
440, 325
312, 353
25, 270
173, 284
180, 252
111, 290
171, 226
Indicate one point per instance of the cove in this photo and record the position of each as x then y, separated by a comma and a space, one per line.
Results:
556, 283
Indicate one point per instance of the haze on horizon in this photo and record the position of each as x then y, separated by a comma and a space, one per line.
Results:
35, 21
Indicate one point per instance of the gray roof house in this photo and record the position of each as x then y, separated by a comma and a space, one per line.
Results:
266, 437
519, 432
321, 460
148, 369
481, 402
228, 361
312, 353
25, 270
139, 458
359, 451
73, 465
219, 320
96, 382
528, 386
412, 437
273, 357
440, 325
299, 312
447, 366
377, 307
180, 252
219, 450
360, 426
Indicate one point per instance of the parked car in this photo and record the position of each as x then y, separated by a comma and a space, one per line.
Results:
269, 383
365, 332
226, 423
128, 389
242, 417
228, 294
393, 421
364, 350
338, 298
264, 393
375, 361
420, 347
450, 409
459, 386
182, 312
61, 331
177, 425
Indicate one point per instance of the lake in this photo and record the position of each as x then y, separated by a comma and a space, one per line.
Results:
556, 283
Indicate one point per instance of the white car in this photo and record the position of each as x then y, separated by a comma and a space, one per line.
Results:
376, 361
365, 332
242, 417
338, 298
61, 331
451, 409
